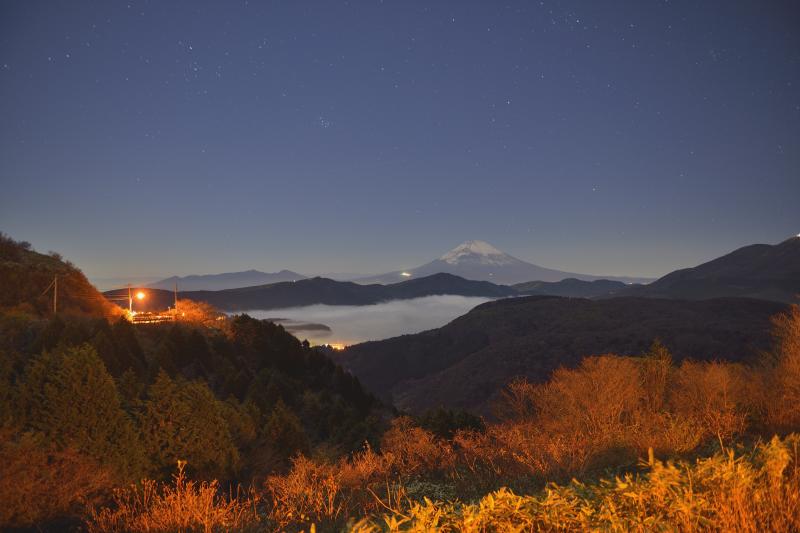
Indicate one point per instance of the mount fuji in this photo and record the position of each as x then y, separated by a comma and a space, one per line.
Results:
479, 260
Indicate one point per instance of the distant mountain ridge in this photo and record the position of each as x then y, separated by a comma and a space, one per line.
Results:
479, 260
573, 288
763, 271
226, 280
473, 260
324, 291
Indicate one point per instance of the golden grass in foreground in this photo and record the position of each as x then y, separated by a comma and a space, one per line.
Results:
752, 492
182, 506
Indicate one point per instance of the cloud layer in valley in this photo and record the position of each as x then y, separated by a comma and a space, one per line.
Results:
352, 324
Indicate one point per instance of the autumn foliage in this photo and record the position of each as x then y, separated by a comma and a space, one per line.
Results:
656, 446
182, 505
609, 413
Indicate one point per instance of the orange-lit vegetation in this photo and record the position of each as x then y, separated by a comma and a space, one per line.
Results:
691, 422
26, 278
87, 405
200, 313
182, 505
753, 491
40, 483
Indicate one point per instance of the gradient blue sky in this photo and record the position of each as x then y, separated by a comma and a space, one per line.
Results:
157, 138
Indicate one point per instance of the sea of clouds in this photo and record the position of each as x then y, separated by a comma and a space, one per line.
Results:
351, 324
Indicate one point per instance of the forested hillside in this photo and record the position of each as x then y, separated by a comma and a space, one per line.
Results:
88, 403
467, 362
28, 283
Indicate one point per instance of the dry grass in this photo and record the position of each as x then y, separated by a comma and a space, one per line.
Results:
330, 494
181, 506
753, 492
309, 493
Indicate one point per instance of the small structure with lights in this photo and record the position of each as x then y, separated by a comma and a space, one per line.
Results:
143, 317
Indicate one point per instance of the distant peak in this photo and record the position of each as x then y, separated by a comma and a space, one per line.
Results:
473, 247
483, 250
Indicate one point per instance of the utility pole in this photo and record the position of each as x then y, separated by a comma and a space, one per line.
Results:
130, 299
176, 300
54, 285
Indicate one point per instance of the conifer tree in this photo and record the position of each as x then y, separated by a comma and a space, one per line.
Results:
70, 398
284, 433
184, 421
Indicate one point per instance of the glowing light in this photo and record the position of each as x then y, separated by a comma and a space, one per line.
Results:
405, 274
337, 346
140, 295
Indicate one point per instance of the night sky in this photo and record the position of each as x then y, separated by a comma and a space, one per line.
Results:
159, 138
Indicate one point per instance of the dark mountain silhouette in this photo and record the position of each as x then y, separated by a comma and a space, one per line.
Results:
227, 280
465, 363
322, 291
765, 271
480, 260
573, 288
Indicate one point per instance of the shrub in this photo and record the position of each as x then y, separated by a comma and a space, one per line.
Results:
783, 379
364, 469
310, 493
183, 505
40, 483
516, 401
597, 399
413, 450
712, 394
444, 422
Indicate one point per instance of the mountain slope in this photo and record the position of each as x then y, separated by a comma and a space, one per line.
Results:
769, 272
465, 363
227, 280
480, 260
325, 291
572, 288
26, 281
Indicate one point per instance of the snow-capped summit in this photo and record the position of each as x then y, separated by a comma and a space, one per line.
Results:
469, 250
479, 260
